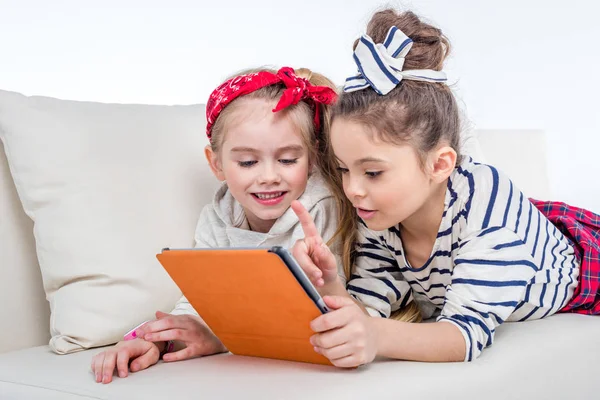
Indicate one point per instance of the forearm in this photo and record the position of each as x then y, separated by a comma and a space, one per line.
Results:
430, 342
335, 288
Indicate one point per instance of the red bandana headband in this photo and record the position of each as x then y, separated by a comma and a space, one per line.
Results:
297, 89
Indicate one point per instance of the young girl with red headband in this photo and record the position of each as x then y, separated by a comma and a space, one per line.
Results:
267, 132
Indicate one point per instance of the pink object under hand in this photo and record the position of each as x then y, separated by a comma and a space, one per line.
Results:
131, 334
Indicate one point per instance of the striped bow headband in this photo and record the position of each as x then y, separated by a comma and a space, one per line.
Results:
380, 64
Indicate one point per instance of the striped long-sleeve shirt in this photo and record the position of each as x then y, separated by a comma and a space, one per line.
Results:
496, 258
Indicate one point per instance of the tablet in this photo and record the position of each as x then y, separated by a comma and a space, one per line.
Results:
258, 301
300, 276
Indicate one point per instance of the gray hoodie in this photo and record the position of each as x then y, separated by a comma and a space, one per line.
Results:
223, 224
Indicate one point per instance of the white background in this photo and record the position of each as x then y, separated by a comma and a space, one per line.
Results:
515, 64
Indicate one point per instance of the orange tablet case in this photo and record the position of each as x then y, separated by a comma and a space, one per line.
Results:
250, 300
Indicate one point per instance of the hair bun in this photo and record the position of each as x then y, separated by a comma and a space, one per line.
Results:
430, 47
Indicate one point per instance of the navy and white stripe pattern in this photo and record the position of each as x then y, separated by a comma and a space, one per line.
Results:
496, 258
380, 64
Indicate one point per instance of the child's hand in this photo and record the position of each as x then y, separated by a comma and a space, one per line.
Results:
312, 254
344, 335
141, 353
191, 330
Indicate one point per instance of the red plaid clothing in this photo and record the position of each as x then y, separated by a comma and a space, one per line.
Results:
582, 228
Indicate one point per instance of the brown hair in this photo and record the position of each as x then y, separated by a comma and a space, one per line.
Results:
422, 114
302, 115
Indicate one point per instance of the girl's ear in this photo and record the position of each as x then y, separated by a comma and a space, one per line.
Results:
214, 163
443, 161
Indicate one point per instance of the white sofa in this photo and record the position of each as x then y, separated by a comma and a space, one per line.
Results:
555, 358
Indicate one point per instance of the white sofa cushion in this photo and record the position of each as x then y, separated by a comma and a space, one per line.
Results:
23, 306
555, 358
107, 187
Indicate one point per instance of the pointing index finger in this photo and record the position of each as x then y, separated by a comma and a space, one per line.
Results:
308, 225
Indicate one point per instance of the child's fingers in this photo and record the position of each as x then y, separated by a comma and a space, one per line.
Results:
108, 367
337, 302
339, 317
146, 360
156, 326
337, 352
97, 363
123, 363
301, 255
180, 355
165, 336
330, 339
350, 361
327, 322
308, 225
325, 257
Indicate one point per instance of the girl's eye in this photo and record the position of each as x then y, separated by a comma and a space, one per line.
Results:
373, 174
289, 161
246, 164
342, 170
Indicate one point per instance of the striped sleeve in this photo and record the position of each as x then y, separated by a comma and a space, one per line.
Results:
376, 279
492, 270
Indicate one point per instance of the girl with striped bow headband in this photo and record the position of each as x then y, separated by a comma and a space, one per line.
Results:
428, 233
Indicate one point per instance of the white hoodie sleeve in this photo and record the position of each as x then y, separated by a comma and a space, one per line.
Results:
183, 306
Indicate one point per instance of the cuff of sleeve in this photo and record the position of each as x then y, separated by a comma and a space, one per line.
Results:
466, 336
184, 309
373, 312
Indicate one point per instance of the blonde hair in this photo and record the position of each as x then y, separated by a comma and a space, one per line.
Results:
301, 114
